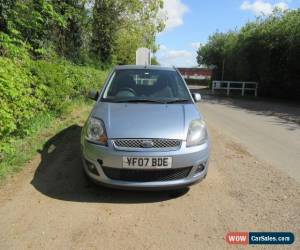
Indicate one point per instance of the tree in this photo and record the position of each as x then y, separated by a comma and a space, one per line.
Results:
154, 61
266, 50
122, 26
69, 37
36, 30
99, 32
139, 27
105, 22
6, 7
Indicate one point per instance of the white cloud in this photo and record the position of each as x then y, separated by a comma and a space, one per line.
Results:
173, 11
174, 54
282, 6
260, 7
173, 57
162, 47
195, 45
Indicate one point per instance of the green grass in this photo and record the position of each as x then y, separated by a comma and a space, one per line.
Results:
43, 127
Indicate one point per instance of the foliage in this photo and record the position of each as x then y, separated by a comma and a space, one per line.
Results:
139, 29
37, 29
5, 9
12, 47
266, 51
27, 89
44, 45
120, 27
105, 21
69, 38
98, 32
154, 61
18, 100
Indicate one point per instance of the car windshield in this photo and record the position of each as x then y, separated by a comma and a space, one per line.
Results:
146, 85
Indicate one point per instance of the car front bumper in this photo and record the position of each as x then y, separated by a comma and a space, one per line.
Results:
97, 157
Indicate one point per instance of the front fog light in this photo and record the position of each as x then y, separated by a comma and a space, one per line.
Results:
91, 167
200, 168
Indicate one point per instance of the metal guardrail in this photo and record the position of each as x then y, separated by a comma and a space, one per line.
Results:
235, 85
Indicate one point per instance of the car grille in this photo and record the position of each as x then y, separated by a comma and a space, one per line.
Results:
146, 175
139, 144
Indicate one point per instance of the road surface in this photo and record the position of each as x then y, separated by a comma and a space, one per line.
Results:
269, 131
49, 205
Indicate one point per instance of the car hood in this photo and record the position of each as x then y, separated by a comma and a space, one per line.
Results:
136, 120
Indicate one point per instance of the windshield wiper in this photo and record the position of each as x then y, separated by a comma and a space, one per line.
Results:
139, 100
178, 100
145, 100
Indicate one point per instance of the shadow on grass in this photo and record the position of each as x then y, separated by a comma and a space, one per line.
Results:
60, 175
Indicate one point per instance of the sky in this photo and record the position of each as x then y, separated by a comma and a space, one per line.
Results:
190, 22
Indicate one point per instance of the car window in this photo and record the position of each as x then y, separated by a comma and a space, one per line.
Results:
146, 84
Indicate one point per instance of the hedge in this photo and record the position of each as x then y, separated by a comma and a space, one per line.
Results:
31, 87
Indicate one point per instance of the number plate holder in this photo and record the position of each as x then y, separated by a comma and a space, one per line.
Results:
147, 162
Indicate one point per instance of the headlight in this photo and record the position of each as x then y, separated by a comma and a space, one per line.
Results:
197, 133
95, 131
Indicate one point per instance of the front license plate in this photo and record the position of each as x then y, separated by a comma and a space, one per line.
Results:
147, 162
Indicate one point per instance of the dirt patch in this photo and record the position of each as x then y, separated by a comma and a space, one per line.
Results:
239, 149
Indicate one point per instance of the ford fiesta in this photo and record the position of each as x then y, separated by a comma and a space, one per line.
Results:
145, 131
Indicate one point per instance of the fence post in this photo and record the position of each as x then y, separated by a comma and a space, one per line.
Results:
213, 87
228, 88
243, 89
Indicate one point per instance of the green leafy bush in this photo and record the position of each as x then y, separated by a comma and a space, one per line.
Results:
12, 47
31, 87
19, 99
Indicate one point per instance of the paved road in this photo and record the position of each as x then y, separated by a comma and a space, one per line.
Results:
270, 131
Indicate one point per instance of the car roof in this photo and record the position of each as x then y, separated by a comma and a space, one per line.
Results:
155, 67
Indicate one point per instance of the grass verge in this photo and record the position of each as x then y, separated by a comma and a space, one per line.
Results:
42, 128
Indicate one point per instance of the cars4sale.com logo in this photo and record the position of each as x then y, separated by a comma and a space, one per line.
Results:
252, 238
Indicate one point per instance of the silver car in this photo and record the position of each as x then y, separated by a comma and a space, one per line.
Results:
145, 131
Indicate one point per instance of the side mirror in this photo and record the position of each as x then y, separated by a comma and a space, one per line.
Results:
196, 97
93, 95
